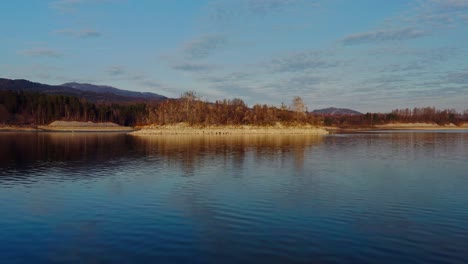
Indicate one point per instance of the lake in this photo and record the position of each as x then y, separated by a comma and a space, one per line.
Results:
98, 198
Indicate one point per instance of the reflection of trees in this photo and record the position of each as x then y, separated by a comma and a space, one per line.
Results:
197, 150
26, 151
214, 206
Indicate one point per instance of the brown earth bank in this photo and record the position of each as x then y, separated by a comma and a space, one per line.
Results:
75, 126
185, 129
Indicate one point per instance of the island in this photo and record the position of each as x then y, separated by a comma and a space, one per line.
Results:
76, 126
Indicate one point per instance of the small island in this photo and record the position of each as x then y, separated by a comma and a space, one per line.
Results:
76, 126
186, 129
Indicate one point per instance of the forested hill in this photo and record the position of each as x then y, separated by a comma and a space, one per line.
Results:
92, 93
112, 90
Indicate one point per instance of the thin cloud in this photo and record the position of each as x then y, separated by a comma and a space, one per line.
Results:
457, 78
193, 67
88, 33
65, 32
437, 14
411, 66
268, 6
301, 62
151, 84
204, 46
42, 52
84, 33
235, 77
119, 72
227, 9
383, 35
72, 5
295, 85
116, 70
66, 5
451, 4
465, 18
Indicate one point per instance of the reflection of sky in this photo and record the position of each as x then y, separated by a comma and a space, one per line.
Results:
368, 55
392, 196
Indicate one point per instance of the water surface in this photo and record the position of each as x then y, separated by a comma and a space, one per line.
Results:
374, 197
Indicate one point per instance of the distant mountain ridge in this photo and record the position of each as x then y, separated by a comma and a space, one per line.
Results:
112, 90
336, 111
93, 93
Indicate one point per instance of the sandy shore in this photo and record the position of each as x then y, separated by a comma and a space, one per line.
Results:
182, 129
75, 126
18, 128
420, 126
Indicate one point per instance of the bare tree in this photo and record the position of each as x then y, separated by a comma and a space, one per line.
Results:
188, 99
298, 105
299, 108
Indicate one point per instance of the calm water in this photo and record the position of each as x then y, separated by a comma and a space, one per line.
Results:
98, 198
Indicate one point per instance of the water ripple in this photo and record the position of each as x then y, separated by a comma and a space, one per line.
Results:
385, 197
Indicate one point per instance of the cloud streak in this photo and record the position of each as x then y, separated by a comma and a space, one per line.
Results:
228, 9
451, 4
72, 5
116, 70
383, 35
268, 6
204, 46
300, 62
84, 33
193, 67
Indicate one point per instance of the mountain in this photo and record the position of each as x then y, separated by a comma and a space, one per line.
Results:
92, 93
336, 111
112, 90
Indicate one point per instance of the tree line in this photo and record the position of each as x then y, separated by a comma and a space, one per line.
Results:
415, 115
28, 108
190, 109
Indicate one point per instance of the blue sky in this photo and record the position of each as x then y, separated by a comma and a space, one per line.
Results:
369, 55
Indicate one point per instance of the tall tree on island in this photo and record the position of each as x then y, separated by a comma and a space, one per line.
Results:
298, 107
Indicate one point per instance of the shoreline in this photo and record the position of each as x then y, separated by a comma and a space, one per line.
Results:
184, 129
12, 128
420, 126
228, 130
401, 127
69, 126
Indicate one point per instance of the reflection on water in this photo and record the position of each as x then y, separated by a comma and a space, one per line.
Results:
195, 151
20, 149
29, 150
380, 197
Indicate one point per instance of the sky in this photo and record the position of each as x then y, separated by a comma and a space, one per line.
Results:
367, 55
